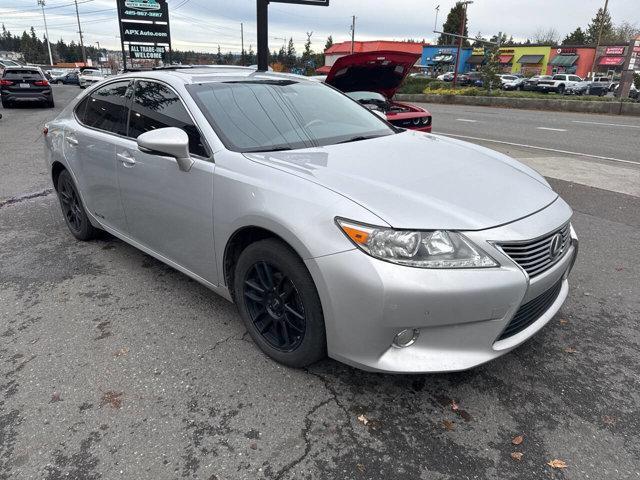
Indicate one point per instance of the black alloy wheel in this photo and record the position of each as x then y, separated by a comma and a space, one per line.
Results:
72, 209
279, 303
274, 306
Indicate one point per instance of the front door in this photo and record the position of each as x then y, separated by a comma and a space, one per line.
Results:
167, 210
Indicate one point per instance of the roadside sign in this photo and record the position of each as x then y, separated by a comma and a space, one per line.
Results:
144, 22
147, 51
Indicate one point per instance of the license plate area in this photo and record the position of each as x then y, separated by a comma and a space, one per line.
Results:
25, 85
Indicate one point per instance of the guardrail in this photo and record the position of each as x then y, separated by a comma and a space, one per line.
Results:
551, 104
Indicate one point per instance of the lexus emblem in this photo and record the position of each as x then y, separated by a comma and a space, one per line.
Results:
555, 246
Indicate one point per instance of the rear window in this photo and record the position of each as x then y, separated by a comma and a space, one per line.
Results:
20, 74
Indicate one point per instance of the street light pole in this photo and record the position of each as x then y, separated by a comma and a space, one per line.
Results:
46, 31
99, 56
462, 27
353, 31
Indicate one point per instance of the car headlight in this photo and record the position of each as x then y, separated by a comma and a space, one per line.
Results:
423, 249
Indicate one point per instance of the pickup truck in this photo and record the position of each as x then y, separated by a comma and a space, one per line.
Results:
559, 83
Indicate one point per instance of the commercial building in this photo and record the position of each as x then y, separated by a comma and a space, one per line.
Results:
610, 59
438, 59
344, 48
574, 59
525, 59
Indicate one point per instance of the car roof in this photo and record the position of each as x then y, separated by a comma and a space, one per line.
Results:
212, 73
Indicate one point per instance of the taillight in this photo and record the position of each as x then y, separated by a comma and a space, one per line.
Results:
6, 82
41, 83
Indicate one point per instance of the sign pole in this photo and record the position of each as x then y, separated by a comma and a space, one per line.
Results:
263, 34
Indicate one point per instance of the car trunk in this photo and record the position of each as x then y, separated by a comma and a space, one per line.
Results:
18, 81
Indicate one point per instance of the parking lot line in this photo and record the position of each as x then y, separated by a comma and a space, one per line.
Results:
552, 129
607, 124
546, 149
466, 120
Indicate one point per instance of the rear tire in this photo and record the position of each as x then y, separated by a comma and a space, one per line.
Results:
5, 104
279, 303
74, 213
51, 104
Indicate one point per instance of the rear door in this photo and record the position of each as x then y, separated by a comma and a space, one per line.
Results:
168, 210
90, 148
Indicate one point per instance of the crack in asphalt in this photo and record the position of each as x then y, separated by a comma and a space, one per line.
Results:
307, 442
25, 197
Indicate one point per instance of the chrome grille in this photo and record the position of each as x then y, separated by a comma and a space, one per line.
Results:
534, 256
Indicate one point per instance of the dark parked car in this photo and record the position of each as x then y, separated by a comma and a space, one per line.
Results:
531, 84
473, 79
25, 84
70, 78
589, 88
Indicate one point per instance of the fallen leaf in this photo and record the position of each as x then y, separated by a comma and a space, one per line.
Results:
55, 397
563, 321
448, 425
570, 350
360, 467
253, 445
454, 406
517, 440
608, 420
121, 353
555, 463
362, 419
517, 455
112, 399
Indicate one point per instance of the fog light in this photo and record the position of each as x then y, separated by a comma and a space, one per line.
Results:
406, 338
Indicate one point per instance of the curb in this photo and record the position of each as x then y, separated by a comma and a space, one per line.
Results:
610, 108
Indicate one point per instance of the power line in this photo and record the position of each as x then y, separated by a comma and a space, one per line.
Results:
26, 10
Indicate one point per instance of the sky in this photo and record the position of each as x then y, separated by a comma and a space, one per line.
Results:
202, 25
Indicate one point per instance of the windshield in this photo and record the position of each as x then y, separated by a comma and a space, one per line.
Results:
254, 116
91, 73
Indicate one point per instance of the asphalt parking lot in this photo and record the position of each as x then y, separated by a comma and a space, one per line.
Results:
115, 366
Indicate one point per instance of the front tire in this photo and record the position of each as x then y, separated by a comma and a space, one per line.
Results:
561, 89
279, 303
74, 213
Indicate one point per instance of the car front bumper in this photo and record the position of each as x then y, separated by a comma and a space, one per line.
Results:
460, 314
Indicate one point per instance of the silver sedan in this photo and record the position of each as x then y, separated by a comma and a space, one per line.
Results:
334, 232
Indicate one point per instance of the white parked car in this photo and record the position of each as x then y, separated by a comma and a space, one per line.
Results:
89, 77
559, 83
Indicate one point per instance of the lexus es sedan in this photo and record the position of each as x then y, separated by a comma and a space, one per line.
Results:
333, 231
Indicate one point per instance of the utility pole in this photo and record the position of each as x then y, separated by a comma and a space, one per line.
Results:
435, 26
593, 65
242, 43
46, 31
84, 53
353, 31
462, 26
99, 56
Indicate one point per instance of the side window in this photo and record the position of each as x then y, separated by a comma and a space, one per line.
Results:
575, 78
156, 106
107, 108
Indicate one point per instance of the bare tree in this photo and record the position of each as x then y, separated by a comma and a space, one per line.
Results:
625, 31
546, 36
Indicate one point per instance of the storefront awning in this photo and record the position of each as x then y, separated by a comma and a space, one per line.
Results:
530, 59
505, 58
476, 59
564, 60
443, 58
611, 61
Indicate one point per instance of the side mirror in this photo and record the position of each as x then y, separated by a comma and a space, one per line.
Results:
170, 141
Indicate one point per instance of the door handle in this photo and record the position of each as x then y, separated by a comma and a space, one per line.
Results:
71, 140
126, 160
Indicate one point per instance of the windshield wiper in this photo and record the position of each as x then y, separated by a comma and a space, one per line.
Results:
360, 138
274, 149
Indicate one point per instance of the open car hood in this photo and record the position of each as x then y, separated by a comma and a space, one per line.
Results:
381, 72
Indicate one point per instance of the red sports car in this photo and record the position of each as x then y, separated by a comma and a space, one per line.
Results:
373, 78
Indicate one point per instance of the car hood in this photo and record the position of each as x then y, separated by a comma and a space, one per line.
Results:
420, 181
381, 72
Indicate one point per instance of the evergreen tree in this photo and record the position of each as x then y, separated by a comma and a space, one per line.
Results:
602, 19
219, 59
577, 37
329, 43
453, 25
